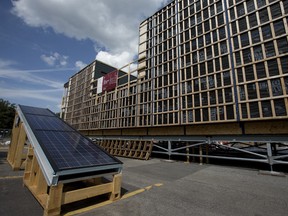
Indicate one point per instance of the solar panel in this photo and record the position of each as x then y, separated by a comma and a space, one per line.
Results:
70, 150
64, 147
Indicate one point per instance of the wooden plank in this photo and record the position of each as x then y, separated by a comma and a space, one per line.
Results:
85, 193
111, 132
53, 204
214, 129
267, 127
19, 149
14, 140
134, 132
166, 131
116, 187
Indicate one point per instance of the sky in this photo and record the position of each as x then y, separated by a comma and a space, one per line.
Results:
44, 42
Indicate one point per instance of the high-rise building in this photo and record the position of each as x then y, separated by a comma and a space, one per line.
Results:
200, 61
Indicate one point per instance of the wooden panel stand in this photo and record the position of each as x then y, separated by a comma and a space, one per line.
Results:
16, 147
53, 197
128, 148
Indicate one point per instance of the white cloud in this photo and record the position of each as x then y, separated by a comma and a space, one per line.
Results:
109, 23
55, 59
116, 60
44, 95
80, 65
8, 71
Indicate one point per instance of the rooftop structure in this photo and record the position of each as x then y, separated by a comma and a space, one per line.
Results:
199, 62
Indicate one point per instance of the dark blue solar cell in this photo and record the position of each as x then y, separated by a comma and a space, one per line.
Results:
71, 150
39, 122
36, 110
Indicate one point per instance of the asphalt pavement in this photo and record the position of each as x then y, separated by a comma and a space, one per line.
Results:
158, 187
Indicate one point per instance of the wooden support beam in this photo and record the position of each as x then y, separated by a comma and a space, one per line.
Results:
201, 153
17, 161
116, 187
14, 140
53, 205
85, 193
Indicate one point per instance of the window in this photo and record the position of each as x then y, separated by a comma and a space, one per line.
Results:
242, 24
282, 45
263, 14
269, 49
279, 28
266, 32
275, 10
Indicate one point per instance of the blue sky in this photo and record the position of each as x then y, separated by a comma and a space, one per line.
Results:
44, 42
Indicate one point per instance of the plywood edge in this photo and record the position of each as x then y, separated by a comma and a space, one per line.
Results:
267, 127
134, 132
167, 131
214, 129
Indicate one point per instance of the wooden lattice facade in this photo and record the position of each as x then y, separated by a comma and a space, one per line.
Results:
208, 61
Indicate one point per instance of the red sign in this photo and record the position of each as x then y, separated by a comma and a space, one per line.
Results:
110, 81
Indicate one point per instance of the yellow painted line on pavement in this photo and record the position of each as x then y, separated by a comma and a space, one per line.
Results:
11, 177
125, 196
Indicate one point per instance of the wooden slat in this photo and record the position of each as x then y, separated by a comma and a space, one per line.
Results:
85, 193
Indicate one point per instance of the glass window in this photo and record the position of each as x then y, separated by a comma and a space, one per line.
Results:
266, 108
225, 62
234, 28
285, 3
282, 45
219, 6
220, 19
235, 42
244, 39
260, 70
258, 54
228, 95
279, 28
250, 5
226, 78
242, 93
239, 75
275, 10
254, 109
266, 32
230, 112
246, 56
240, 10
252, 92
208, 39
242, 24
261, 3
232, 14
269, 49
280, 108
264, 89
196, 85
210, 66
238, 58
284, 65
253, 20
223, 46
263, 14
276, 87
244, 111
222, 33
255, 36
249, 73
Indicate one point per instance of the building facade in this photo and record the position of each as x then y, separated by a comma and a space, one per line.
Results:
207, 61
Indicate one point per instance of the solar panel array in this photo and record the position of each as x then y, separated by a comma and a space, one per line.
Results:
64, 147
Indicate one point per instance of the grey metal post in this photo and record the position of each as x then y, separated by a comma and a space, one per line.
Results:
269, 156
169, 149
